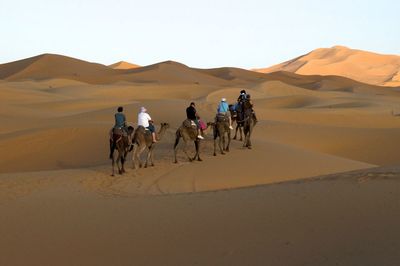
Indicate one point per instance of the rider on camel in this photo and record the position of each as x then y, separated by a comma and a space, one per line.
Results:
191, 114
248, 104
223, 109
145, 121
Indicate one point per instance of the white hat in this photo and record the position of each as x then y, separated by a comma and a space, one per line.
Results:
143, 109
223, 99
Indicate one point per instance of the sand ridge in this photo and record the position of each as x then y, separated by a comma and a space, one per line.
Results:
308, 192
367, 67
123, 65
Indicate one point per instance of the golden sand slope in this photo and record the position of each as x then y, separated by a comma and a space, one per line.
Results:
60, 206
49, 66
359, 65
342, 219
123, 65
64, 120
55, 67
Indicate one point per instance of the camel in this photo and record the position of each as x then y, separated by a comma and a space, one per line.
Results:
120, 142
142, 140
248, 124
221, 128
236, 117
188, 133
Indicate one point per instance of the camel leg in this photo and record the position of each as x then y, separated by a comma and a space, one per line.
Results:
247, 141
241, 133
249, 138
245, 137
197, 146
176, 147
133, 157
112, 157
185, 150
119, 162
139, 153
148, 158
113, 164
229, 141
137, 157
112, 148
215, 145
152, 156
123, 157
220, 143
236, 130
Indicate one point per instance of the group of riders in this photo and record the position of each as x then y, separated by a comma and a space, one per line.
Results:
237, 111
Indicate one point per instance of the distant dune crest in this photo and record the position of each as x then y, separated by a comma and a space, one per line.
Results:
123, 65
359, 65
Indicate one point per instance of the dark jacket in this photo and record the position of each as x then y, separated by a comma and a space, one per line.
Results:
191, 113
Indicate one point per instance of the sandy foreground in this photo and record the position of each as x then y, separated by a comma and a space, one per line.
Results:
319, 187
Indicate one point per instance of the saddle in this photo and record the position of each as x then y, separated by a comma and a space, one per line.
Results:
118, 131
145, 131
222, 118
116, 134
189, 123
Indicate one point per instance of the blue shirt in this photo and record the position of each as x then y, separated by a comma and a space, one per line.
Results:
119, 120
223, 107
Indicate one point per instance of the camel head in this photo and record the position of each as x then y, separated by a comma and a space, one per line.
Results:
210, 124
130, 130
165, 125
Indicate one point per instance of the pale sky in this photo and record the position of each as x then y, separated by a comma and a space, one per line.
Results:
202, 33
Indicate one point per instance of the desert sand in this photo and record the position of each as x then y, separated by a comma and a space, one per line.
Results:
319, 187
359, 65
123, 65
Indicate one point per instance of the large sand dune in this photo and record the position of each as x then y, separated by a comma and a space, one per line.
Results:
289, 201
359, 65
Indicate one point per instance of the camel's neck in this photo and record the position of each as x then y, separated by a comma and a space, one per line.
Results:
161, 133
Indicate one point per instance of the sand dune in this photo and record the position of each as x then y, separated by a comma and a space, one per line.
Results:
123, 65
288, 201
56, 67
50, 66
359, 65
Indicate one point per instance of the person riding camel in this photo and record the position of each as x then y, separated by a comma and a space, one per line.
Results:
191, 114
119, 129
242, 96
145, 121
223, 109
120, 119
120, 126
248, 104
239, 106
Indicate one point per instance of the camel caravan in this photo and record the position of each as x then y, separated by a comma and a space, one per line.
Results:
125, 139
